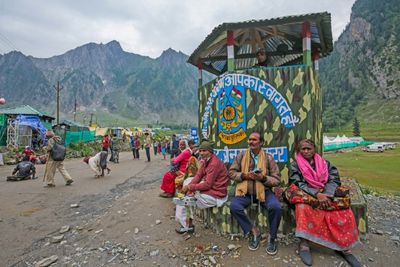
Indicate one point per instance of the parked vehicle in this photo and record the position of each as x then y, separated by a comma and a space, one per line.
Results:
375, 148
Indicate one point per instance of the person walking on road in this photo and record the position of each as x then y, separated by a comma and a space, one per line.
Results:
147, 145
52, 165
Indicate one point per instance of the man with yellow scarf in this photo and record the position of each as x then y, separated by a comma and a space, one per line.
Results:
255, 173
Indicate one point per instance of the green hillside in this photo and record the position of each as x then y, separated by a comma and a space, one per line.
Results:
379, 121
361, 76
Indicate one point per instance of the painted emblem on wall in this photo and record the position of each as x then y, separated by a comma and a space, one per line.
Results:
229, 91
232, 115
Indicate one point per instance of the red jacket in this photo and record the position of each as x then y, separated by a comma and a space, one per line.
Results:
211, 178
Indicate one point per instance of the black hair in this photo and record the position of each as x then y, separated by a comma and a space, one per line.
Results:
260, 135
309, 141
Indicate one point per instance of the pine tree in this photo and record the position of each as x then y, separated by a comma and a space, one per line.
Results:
356, 127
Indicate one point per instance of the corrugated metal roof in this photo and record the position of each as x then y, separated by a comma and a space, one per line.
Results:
72, 123
281, 37
23, 110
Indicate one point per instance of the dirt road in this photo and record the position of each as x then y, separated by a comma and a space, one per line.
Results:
121, 221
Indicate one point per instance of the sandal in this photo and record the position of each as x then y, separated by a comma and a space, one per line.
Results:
305, 254
350, 258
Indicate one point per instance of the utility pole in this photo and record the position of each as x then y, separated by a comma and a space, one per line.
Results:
58, 89
91, 119
75, 109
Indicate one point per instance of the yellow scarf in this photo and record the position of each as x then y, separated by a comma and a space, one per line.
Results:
241, 188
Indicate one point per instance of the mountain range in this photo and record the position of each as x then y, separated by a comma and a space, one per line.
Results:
359, 78
101, 79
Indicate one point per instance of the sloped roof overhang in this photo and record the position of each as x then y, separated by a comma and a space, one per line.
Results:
281, 37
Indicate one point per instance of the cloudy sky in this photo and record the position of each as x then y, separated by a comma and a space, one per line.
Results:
44, 28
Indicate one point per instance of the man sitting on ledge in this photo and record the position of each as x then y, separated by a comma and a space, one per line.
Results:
255, 173
209, 186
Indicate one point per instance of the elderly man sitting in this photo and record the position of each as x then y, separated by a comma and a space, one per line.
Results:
208, 186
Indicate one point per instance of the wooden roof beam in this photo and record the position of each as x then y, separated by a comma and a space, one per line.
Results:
250, 55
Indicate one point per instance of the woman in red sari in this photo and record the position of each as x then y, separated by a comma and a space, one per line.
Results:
322, 205
181, 161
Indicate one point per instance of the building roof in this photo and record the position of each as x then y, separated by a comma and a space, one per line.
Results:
24, 110
280, 37
72, 123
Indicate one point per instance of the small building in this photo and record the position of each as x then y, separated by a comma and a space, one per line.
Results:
74, 132
19, 124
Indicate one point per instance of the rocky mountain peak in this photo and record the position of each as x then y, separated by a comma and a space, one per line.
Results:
170, 56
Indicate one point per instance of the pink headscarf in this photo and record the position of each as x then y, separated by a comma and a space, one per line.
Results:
315, 178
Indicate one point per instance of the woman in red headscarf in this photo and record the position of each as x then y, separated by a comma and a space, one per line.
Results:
322, 205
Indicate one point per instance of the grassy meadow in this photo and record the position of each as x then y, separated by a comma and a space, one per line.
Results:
373, 170
379, 121
371, 131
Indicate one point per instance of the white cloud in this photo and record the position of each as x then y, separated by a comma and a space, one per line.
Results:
45, 28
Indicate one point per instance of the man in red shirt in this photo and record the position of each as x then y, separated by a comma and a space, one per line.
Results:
30, 153
209, 186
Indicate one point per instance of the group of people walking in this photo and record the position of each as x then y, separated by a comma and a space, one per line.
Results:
322, 205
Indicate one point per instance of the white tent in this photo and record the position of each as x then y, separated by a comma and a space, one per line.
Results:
345, 139
337, 140
327, 140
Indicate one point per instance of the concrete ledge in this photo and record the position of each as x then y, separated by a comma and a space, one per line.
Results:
221, 221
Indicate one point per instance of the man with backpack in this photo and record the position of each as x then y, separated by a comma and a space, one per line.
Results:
115, 146
56, 155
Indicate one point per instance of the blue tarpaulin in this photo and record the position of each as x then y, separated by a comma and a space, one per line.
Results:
33, 122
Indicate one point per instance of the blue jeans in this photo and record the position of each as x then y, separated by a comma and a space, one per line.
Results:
147, 153
272, 204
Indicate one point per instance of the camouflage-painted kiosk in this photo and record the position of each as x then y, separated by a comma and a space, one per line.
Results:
283, 101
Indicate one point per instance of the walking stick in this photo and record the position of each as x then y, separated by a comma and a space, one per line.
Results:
45, 172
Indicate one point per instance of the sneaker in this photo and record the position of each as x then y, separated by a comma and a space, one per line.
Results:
254, 242
272, 247
49, 185
183, 230
69, 182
